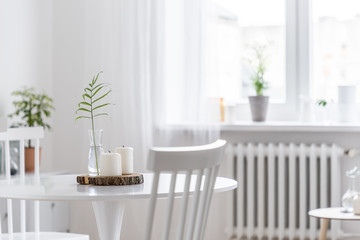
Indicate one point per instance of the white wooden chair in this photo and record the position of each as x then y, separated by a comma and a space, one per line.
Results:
21, 135
205, 162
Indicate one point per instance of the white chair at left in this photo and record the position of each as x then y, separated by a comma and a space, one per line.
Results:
22, 134
3, 124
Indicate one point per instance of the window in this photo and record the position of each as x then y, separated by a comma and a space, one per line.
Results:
336, 46
314, 47
236, 26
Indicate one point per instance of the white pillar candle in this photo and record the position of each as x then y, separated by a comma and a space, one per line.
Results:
127, 157
110, 164
356, 205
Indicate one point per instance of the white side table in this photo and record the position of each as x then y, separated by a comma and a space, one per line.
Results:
327, 214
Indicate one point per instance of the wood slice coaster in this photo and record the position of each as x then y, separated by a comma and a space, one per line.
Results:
126, 179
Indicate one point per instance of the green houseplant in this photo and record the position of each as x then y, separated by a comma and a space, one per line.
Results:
31, 110
258, 67
89, 108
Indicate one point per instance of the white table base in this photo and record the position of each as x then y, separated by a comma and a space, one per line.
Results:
109, 216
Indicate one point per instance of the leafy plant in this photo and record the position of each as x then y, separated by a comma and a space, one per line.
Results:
91, 105
258, 67
322, 102
32, 108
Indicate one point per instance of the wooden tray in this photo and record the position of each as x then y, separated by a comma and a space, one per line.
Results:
126, 179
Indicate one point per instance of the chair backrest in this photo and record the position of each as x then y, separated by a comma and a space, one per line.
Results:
204, 161
22, 135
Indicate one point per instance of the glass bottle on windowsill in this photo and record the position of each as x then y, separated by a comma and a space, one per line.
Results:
349, 196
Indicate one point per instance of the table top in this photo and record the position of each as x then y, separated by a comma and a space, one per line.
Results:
335, 213
65, 187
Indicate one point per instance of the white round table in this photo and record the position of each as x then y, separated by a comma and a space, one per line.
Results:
327, 214
106, 200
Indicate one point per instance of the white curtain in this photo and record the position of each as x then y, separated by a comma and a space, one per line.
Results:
151, 52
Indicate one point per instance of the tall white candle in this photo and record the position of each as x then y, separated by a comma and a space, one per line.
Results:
127, 156
110, 164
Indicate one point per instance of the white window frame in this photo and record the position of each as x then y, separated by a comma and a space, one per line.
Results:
298, 36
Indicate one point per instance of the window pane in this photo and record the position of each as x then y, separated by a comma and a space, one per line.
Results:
234, 27
336, 46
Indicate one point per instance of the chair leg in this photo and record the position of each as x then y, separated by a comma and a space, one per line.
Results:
324, 227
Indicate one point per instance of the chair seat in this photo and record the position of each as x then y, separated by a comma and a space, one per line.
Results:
43, 236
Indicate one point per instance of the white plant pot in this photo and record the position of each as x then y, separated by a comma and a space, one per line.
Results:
258, 106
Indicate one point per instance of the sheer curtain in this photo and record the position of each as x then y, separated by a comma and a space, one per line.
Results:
184, 115
151, 52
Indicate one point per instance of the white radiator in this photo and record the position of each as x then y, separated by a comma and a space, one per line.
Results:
278, 184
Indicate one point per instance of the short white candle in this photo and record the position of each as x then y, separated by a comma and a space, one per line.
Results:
127, 157
110, 164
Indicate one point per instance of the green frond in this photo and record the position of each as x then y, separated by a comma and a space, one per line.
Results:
101, 97
101, 114
97, 91
84, 103
100, 106
82, 109
81, 117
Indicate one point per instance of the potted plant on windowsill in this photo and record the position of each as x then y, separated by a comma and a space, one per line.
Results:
32, 108
259, 102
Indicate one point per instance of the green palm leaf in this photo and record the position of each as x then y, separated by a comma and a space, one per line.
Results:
81, 117
101, 114
102, 105
97, 91
83, 109
102, 96
84, 103
99, 85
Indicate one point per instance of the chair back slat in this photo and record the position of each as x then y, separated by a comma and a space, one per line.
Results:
20, 135
184, 207
152, 206
7, 159
214, 173
23, 216
37, 216
170, 206
8, 176
10, 216
37, 159
202, 160
22, 158
22, 176
202, 204
195, 204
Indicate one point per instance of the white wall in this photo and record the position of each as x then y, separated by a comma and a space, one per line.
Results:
26, 54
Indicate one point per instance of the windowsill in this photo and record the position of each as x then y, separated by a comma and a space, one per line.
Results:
290, 127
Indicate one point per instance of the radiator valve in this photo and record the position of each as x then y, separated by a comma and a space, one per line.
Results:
351, 152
